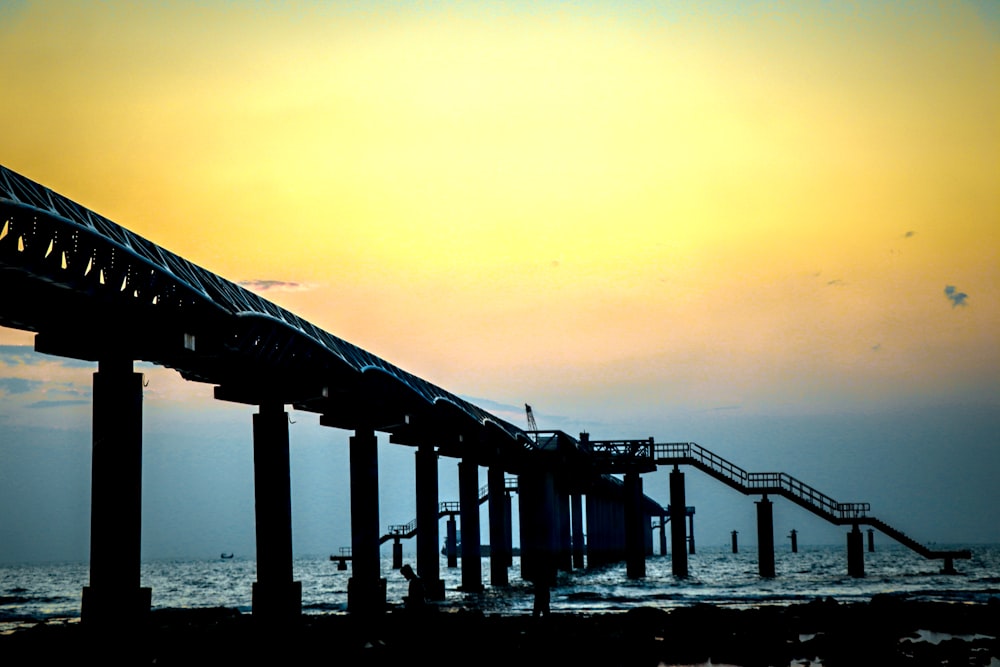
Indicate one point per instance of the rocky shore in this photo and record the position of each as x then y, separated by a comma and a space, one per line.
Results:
887, 631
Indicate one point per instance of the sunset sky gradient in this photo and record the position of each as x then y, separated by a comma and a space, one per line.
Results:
770, 228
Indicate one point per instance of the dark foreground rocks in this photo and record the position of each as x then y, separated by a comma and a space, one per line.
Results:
881, 632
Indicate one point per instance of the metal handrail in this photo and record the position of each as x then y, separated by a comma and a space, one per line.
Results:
403, 528
449, 507
773, 482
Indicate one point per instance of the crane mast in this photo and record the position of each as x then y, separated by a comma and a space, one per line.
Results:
532, 425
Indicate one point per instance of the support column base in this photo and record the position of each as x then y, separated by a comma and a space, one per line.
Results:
103, 606
363, 599
434, 590
277, 602
855, 554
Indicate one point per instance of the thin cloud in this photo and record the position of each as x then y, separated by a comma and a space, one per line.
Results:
492, 406
957, 298
56, 404
16, 355
18, 385
71, 391
266, 285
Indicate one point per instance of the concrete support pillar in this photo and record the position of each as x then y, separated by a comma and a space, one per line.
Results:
276, 597
366, 587
678, 509
600, 544
663, 534
647, 533
538, 534
576, 508
690, 519
618, 524
871, 540
563, 533
855, 553
595, 535
607, 530
428, 535
736, 546
615, 527
114, 594
795, 540
451, 541
397, 554
765, 537
499, 554
468, 491
508, 505
635, 547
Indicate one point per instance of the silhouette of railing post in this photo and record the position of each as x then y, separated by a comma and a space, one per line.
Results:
114, 594
678, 527
428, 533
366, 587
275, 595
468, 492
765, 537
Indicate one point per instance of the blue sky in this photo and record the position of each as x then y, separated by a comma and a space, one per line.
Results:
768, 228
929, 473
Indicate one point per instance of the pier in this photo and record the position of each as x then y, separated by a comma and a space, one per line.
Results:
61, 265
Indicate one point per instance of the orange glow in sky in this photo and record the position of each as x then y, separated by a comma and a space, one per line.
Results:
731, 205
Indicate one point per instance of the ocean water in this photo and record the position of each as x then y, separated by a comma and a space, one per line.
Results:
52, 591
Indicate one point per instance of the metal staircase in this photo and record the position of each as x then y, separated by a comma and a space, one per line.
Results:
777, 483
446, 508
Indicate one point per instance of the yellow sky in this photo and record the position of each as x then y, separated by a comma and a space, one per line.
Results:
734, 205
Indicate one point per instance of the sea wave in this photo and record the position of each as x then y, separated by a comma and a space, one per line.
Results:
44, 592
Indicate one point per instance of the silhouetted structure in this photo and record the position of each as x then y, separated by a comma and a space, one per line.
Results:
61, 264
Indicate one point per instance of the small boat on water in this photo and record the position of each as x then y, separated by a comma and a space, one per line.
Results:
225, 556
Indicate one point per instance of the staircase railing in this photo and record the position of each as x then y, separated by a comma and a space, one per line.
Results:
759, 482
690, 453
